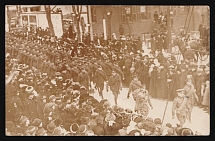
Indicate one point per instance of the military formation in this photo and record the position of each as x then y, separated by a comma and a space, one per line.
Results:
54, 79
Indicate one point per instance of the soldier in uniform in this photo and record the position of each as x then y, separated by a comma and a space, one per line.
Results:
179, 107
115, 84
83, 78
189, 91
99, 78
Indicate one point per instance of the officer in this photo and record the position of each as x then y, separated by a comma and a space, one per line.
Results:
179, 107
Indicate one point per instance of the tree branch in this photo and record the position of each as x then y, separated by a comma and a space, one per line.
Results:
53, 8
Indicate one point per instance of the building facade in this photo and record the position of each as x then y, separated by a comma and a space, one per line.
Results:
138, 20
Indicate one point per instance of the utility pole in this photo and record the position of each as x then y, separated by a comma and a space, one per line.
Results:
90, 22
169, 30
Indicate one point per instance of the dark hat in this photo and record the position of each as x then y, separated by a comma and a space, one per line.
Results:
186, 132
74, 128
99, 119
36, 122
52, 97
82, 129
57, 131
10, 126
31, 130
23, 119
135, 133
110, 117
51, 126
58, 122
41, 132
87, 108
157, 121
85, 120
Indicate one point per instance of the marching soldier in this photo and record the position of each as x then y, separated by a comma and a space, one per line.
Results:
179, 106
189, 91
115, 84
83, 78
99, 78
118, 70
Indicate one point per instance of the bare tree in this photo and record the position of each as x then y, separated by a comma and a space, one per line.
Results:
18, 10
8, 17
48, 16
77, 11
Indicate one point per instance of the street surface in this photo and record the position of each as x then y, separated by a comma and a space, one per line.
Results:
200, 119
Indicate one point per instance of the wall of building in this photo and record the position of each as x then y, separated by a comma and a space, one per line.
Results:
140, 27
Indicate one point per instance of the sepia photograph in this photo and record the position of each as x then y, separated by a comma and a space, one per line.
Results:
107, 70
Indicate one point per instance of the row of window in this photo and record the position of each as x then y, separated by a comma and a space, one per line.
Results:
140, 13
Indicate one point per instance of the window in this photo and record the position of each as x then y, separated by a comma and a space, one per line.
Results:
35, 9
25, 9
181, 10
142, 15
126, 14
25, 20
148, 12
93, 13
134, 14
32, 19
